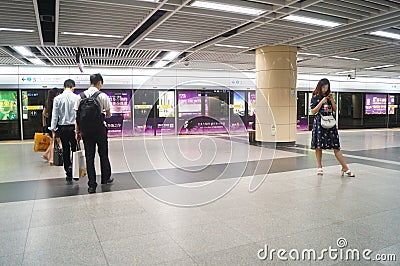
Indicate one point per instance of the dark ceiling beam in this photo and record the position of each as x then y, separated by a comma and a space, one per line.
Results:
37, 15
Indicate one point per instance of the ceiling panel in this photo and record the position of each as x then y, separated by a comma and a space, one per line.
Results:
18, 14
204, 28
99, 18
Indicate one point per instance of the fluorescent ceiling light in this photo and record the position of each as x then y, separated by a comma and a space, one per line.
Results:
346, 58
171, 55
165, 40
378, 67
92, 35
9, 29
232, 46
345, 72
36, 61
160, 64
308, 54
313, 21
386, 34
23, 51
228, 8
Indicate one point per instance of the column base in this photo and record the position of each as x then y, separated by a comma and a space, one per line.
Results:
268, 144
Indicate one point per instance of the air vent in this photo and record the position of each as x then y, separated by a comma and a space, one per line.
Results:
47, 18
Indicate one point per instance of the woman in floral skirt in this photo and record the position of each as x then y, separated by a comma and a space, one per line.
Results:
322, 103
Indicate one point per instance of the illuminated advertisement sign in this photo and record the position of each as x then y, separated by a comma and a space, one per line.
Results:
8, 105
375, 104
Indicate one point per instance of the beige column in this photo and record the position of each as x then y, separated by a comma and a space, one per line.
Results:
276, 99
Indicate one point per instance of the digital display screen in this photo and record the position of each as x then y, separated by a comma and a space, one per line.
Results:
166, 103
8, 105
375, 104
120, 103
391, 106
252, 102
189, 102
238, 103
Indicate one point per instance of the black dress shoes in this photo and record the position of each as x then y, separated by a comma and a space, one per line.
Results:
91, 190
109, 181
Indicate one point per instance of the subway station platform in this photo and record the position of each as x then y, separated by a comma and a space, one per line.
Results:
185, 200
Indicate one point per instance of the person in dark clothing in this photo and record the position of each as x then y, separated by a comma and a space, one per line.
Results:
323, 103
99, 138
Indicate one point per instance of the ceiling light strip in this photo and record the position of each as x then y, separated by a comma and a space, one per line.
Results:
378, 67
228, 8
92, 35
345, 58
386, 34
312, 21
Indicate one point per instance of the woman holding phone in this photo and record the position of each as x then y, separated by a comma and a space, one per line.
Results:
323, 103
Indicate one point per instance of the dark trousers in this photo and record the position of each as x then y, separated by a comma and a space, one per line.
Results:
68, 141
90, 150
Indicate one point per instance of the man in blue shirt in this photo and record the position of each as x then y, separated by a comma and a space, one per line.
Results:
63, 121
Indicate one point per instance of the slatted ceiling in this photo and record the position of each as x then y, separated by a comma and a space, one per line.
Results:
353, 6
192, 27
347, 44
104, 53
166, 46
24, 20
327, 10
220, 49
9, 61
3, 53
335, 63
101, 18
268, 34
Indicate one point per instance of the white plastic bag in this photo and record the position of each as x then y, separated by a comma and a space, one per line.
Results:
78, 163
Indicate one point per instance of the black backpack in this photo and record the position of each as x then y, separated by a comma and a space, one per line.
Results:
89, 118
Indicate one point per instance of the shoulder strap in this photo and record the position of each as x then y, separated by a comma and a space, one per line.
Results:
97, 93
83, 95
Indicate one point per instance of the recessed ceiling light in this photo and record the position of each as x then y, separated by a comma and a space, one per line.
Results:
232, 46
386, 34
378, 67
313, 21
9, 29
228, 8
23, 51
36, 61
92, 35
308, 54
160, 64
345, 58
165, 40
171, 55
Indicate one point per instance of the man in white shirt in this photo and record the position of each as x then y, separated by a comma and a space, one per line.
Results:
97, 137
63, 122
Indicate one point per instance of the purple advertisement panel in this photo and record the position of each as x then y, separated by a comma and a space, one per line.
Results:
165, 126
203, 125
375, 104
189, 103
391, 106
120, 123
237, 112
251, 96
302, 123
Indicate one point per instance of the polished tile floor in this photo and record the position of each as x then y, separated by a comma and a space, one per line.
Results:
186, 201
